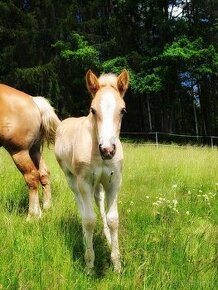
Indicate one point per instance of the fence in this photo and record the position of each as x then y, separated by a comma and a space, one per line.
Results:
158, 138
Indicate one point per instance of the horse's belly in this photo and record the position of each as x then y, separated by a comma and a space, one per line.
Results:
14, 131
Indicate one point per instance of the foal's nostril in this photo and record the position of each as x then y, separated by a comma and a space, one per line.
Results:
107, 152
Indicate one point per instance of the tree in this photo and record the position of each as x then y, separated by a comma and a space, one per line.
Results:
74, 57
169, 48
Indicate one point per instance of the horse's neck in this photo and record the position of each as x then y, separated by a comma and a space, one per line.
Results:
92, 128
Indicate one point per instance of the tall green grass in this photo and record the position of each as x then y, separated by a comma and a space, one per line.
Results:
168, 226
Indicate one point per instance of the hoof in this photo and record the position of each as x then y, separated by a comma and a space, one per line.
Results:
46, 205
90, 271
33, 215
118, 267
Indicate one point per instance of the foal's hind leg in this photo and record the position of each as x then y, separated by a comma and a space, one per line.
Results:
26, 166
43, 177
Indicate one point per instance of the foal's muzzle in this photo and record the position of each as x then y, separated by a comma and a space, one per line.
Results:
107, 152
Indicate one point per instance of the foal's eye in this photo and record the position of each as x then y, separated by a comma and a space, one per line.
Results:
123, 111
93, 111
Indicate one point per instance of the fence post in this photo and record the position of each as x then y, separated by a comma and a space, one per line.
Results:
211, 141
156, 139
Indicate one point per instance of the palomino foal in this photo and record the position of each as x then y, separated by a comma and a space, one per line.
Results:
90, 154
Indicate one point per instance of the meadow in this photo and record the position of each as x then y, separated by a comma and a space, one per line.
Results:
168, 226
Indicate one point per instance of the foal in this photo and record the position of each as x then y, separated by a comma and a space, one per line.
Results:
25, 122
90, 154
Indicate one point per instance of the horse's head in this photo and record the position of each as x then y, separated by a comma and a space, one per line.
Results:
107, 108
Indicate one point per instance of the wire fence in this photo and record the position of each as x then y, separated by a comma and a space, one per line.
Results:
160, 138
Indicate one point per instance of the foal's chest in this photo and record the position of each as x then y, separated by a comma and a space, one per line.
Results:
105, 173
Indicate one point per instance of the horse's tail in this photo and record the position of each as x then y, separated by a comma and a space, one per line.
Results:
50, 120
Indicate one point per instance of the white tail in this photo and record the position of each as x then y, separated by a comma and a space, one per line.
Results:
50, 120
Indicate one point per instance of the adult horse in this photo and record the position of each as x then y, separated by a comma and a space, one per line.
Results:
90, 154
25, 122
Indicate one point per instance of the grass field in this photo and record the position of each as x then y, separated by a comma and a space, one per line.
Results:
168, 209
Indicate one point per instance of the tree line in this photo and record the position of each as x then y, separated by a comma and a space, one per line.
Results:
168, 47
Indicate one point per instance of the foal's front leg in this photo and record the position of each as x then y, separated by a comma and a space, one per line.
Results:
112, 190
88, 220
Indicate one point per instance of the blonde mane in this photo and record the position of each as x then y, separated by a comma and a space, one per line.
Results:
108, 80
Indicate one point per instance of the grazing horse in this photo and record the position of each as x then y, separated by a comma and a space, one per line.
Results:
25, 122
90, 154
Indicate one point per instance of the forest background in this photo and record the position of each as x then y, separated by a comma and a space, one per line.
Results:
169, 48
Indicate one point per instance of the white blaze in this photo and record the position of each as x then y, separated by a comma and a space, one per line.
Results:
107, 132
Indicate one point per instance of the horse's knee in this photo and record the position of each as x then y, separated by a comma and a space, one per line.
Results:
32, 179
44, 177
113, 222
89, 223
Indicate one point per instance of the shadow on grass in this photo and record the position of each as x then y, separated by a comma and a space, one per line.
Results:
71, 228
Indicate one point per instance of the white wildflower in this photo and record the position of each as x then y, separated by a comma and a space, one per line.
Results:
175, 202
162, 199
175, 209
205, 196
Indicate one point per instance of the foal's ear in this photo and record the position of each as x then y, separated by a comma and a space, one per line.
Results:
92, 82
123, 82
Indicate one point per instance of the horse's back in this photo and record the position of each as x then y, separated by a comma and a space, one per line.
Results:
68, 129
19, 118
10, 99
